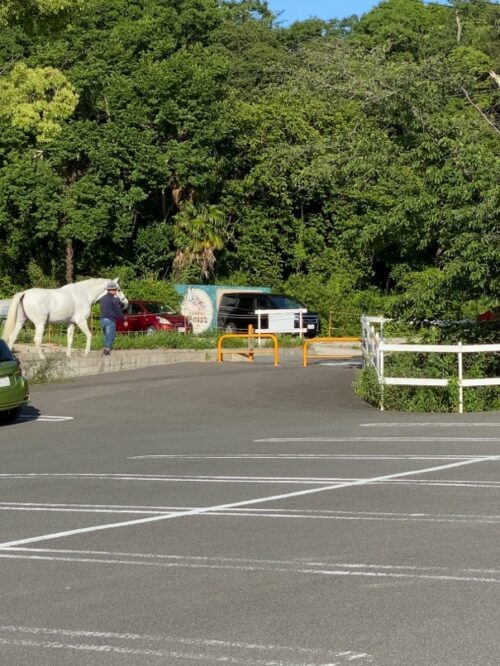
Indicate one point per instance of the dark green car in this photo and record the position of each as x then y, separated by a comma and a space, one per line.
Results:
14, 389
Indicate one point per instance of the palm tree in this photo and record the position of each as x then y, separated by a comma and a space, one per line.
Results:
200, 231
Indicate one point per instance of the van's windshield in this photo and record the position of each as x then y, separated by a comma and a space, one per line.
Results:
155, 307
286, 303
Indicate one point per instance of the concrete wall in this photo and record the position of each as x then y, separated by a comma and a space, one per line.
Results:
58, 366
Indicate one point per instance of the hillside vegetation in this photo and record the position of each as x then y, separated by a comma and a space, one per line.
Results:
354, 163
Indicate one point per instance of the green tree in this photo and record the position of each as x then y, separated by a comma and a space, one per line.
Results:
201, 231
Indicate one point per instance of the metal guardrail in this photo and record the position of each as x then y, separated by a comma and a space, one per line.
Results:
375, 348
250, 351
307, 356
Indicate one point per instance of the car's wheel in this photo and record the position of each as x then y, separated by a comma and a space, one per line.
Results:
230, 327
151, 330
9, 416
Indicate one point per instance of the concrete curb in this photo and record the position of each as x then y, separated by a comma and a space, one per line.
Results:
58, 366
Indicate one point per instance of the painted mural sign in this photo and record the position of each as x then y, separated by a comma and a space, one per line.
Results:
200, 302
197, 306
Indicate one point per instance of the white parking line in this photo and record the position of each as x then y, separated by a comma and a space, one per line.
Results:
425, 424
303, 514
259, 500
304, 456
44, 418
298, 567
162, 478
210, 644
377, 439
123, 650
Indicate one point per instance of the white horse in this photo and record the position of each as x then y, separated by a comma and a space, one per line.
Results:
70, 304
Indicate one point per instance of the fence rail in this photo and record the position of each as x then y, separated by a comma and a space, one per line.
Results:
374, 349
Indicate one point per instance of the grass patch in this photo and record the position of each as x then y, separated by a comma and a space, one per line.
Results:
47, 371
160, 340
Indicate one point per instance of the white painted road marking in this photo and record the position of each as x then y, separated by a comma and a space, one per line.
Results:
43, 418
209, 644
336, 364
259, 500
304, 514
116, 649
422, 424
378, 439
162, 478
298, 567
307, 456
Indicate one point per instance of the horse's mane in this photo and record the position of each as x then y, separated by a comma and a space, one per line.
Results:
85, 283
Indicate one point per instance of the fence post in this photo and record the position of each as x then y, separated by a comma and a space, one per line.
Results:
460, 378
381, 380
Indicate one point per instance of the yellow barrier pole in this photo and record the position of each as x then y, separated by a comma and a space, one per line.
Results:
219, 349
251, 352
251, 336
276, 350
317, 340
304, 360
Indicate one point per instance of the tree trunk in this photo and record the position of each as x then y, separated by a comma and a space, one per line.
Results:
459, 27
70, 252
164, 203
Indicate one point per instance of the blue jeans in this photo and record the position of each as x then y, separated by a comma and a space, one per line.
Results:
109, 329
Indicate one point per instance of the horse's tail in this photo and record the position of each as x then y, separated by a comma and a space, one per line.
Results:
10, 322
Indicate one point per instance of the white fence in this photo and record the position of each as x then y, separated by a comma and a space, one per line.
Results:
375, 348
281, 321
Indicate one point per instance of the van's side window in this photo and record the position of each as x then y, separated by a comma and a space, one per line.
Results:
246, 303
263, 303
229, 300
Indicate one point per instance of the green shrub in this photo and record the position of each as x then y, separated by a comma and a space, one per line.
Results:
153, 290
367, 386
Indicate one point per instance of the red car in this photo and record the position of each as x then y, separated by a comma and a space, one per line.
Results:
151, 317
490, 315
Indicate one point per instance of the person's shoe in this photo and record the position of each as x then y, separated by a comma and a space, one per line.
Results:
106, 351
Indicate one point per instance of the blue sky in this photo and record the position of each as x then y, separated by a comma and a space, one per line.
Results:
298, 10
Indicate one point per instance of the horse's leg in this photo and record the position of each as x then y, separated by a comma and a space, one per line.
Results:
84, 327
71, 330
39, 327
20, 321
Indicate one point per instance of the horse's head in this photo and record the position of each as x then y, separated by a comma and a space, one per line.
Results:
119, 293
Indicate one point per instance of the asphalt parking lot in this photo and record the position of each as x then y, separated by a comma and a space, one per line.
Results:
245, 514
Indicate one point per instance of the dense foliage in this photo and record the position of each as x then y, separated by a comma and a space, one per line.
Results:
355, 163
